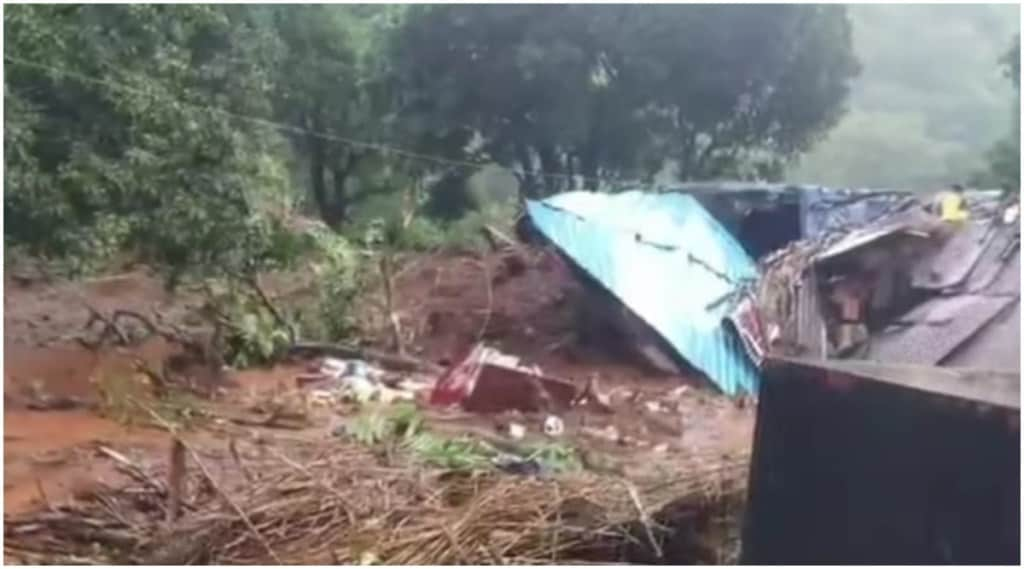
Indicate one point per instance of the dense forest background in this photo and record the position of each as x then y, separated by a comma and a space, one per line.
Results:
929, 102
197, 137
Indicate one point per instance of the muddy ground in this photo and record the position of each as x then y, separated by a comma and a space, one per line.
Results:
523, 303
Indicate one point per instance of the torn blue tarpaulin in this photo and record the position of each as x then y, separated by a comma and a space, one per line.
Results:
667, 259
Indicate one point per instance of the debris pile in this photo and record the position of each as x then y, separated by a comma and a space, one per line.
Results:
342, 503
335, 381
905, 288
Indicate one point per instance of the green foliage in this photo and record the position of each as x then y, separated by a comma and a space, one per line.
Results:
256, 336
558, 457
338, 282
611, 91
331, 77
116, 115
141, 130
258, 330
401, 427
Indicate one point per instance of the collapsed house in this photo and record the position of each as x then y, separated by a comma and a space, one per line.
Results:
839, 274
903, 288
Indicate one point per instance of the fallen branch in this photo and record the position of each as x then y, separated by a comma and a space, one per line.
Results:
645, 518
109, 328
275, 420
254, 283
326, 486
132, 469
237, 457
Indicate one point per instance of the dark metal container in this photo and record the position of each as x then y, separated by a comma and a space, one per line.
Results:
862, 463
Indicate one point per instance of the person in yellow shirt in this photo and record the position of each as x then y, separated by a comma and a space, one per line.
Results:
953, 206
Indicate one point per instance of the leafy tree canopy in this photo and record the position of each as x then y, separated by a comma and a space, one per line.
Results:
562, 93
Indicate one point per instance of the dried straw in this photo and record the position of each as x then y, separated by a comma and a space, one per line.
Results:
332, 502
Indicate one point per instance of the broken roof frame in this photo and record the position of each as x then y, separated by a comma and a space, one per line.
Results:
670, 262
978, 285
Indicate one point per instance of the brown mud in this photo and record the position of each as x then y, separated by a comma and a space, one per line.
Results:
523, 303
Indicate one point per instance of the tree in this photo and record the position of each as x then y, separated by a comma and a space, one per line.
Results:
922, 113
1004, 157
331, 79
126, 134
563, 94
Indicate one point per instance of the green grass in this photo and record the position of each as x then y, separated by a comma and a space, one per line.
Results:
402, 428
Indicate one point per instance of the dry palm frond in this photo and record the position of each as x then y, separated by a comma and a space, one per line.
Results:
331, 503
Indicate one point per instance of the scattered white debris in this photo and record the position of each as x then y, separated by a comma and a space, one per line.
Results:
321, 398
652, 406
553, 426
1011, 214
516, 431
341, 380
678, 392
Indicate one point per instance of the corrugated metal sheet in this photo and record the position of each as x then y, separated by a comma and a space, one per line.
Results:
1007, 280
935, 328
667, 259
995, 346
810, 323
858, 239
950, 265
998, 269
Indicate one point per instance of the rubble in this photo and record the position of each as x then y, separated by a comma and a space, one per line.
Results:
905, 288
337, 380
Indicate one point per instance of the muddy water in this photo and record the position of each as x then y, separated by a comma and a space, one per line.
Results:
69, 369
53, 454
50, 455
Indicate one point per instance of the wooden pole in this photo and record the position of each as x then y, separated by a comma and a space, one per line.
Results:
175, 480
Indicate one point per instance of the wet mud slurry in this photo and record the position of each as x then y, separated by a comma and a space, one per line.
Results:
50, 454
524, 305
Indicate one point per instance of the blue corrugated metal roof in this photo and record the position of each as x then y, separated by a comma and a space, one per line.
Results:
667, 259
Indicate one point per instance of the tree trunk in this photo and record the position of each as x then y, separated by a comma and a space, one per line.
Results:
528, 185
550, 171
340, 203
318, 175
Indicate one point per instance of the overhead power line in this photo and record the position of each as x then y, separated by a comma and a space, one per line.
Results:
288, 128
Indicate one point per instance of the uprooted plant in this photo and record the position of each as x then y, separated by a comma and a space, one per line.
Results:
259, 324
